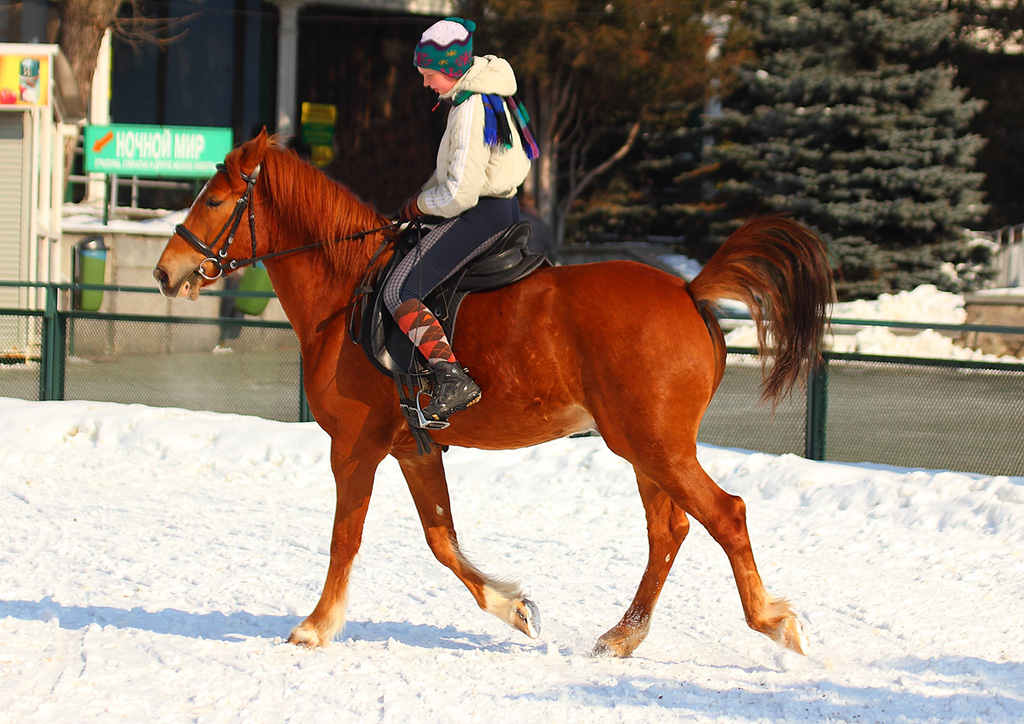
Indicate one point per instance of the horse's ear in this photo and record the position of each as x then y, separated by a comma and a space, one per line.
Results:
253, 151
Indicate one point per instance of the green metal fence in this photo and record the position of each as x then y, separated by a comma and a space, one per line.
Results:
908, 412
224, 364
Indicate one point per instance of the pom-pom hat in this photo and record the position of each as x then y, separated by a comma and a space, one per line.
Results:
446, 46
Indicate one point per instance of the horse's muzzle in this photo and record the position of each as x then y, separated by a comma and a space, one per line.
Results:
187, 287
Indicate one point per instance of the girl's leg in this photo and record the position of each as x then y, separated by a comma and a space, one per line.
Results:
438, 255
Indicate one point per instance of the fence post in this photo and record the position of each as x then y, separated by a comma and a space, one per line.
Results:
304, 412
51, 362
817, 412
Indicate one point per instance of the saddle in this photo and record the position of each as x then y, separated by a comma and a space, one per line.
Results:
389, 349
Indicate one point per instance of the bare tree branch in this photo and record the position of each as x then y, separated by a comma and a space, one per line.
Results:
589, 178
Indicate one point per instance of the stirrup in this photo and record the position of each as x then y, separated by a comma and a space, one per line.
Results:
421, 420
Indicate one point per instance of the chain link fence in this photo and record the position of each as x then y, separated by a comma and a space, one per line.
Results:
19, 357
933, 414
233, 364
255, 371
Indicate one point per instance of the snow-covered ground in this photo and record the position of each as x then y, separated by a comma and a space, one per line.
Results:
153, 560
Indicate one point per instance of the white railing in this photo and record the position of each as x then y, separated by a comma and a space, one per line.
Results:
1009, 257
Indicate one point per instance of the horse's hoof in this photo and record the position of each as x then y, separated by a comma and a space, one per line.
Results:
789, 635
526, 617
304, 636
612, 647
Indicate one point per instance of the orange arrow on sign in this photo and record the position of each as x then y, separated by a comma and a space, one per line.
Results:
98, 146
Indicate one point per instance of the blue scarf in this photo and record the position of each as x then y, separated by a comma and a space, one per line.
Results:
496, 127
496, 130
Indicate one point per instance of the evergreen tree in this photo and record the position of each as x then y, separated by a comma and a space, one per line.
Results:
997, 25
986, 51
645, 199
846, 122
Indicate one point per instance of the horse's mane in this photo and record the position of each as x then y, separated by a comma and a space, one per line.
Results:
311, 207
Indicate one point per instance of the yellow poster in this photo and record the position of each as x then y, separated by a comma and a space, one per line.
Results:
24, 80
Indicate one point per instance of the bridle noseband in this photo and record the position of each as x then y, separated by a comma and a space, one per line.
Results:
230, 226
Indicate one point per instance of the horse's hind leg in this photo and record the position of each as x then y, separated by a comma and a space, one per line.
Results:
429, 488
724, 517
667, 526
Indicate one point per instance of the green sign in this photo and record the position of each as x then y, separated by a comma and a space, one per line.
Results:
155, 151
318, 121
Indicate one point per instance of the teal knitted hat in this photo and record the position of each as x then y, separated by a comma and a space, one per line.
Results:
447, 47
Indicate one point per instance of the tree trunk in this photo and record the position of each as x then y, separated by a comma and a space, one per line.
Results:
562, 211
83, 23
553, 209
546, 174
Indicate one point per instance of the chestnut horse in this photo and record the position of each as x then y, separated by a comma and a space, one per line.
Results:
617, 347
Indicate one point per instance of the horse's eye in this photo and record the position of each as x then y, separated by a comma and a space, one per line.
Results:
213, 203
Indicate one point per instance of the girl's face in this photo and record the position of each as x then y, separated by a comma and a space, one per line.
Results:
437, 82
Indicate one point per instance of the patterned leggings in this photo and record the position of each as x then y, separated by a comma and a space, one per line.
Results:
437, 256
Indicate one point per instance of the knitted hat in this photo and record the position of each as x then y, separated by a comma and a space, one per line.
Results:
447, 47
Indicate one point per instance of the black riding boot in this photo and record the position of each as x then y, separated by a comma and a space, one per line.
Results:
454, 390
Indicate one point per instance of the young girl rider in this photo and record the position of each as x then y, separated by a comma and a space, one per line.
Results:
481, 163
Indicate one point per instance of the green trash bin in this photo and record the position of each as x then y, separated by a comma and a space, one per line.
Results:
90, 268
254, 279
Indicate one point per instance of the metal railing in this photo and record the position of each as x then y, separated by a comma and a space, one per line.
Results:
1009, 256
223, 364
900, 411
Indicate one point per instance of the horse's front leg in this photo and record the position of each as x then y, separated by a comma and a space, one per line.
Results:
353, 477
429, 488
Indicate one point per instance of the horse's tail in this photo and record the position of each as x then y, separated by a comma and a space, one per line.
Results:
781, 271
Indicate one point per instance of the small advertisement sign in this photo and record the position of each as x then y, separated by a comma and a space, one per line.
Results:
155, 151
24, 80
318, 121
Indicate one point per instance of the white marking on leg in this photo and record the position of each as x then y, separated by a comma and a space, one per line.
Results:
500, 599
504, 599
788, 633
306, 635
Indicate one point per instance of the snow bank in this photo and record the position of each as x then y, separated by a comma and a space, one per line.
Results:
152, 560
923, 304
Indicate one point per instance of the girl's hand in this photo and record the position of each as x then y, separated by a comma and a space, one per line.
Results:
410, 211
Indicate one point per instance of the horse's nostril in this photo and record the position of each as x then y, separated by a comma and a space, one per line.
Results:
161, 276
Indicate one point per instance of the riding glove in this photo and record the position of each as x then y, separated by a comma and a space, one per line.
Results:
410, 211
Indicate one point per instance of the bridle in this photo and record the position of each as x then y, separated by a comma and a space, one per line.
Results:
230, 226
217, 257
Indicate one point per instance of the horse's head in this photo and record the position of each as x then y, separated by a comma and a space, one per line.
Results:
202, 249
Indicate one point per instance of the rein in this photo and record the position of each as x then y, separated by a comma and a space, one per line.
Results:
217, 258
